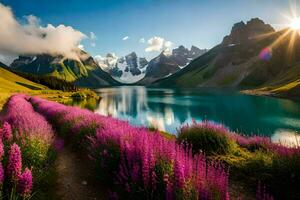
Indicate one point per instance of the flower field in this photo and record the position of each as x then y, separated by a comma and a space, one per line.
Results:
252, 159
25, 143
144, 164
134, 162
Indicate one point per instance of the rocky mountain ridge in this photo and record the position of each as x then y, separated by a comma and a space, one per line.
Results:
252, 56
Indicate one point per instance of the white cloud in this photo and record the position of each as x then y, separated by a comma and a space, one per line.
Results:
142, 40
80, 46
107, 62
158, 44
93, 36
31, 38
93, 39
168, 44
125, 38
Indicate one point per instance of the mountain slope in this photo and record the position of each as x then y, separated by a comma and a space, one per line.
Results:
10, 82
252, 56
83, 72
167, 64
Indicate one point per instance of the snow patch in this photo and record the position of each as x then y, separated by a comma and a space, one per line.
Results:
127, 77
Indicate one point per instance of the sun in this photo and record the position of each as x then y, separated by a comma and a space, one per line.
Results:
295, 23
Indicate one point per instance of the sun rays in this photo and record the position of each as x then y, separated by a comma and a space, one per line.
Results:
289, 31
295, 23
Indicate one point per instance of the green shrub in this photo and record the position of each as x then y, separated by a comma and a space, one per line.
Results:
206, 136
78, 95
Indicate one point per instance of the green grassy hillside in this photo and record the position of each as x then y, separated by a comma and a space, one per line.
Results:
240, 66
83, 72
12, 83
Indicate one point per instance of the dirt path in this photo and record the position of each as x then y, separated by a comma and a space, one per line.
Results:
75, 178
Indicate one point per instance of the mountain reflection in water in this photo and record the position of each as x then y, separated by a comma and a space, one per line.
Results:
167, 109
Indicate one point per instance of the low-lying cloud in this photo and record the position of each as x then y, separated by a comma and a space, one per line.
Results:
158, 44
107, 62
31, 38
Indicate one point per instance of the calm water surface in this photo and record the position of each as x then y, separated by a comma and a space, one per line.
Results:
167, 109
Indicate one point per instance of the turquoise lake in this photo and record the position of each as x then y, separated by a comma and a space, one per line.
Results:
167, 109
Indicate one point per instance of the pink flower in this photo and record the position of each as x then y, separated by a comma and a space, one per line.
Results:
168, 187
1, 174
6, 131
24, 186
134, 155
1, 150
154, 181
179, 173
14, 165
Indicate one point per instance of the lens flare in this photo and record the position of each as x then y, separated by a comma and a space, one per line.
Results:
295, 23
265, 54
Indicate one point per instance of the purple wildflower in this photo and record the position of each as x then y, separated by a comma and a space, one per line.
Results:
1, 174
139, 153
179, 173
26, 125
6, 131
14, 165
1, 150
24, 185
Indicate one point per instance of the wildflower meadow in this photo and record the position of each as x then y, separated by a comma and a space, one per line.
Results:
134, 162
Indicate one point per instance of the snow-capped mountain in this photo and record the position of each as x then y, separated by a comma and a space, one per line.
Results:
127, 69
132, 69
167, 64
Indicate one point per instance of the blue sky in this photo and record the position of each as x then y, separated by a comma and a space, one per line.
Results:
187, 22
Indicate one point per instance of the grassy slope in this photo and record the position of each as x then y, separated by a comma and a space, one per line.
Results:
84, 73
220, 66
239, 66
286, 84
11, 83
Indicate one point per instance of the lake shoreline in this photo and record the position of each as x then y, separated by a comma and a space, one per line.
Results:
167, 108
257, 92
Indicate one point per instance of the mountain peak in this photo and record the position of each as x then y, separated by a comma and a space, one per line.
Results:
167, 63
132, 57
241, 32
194, 48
